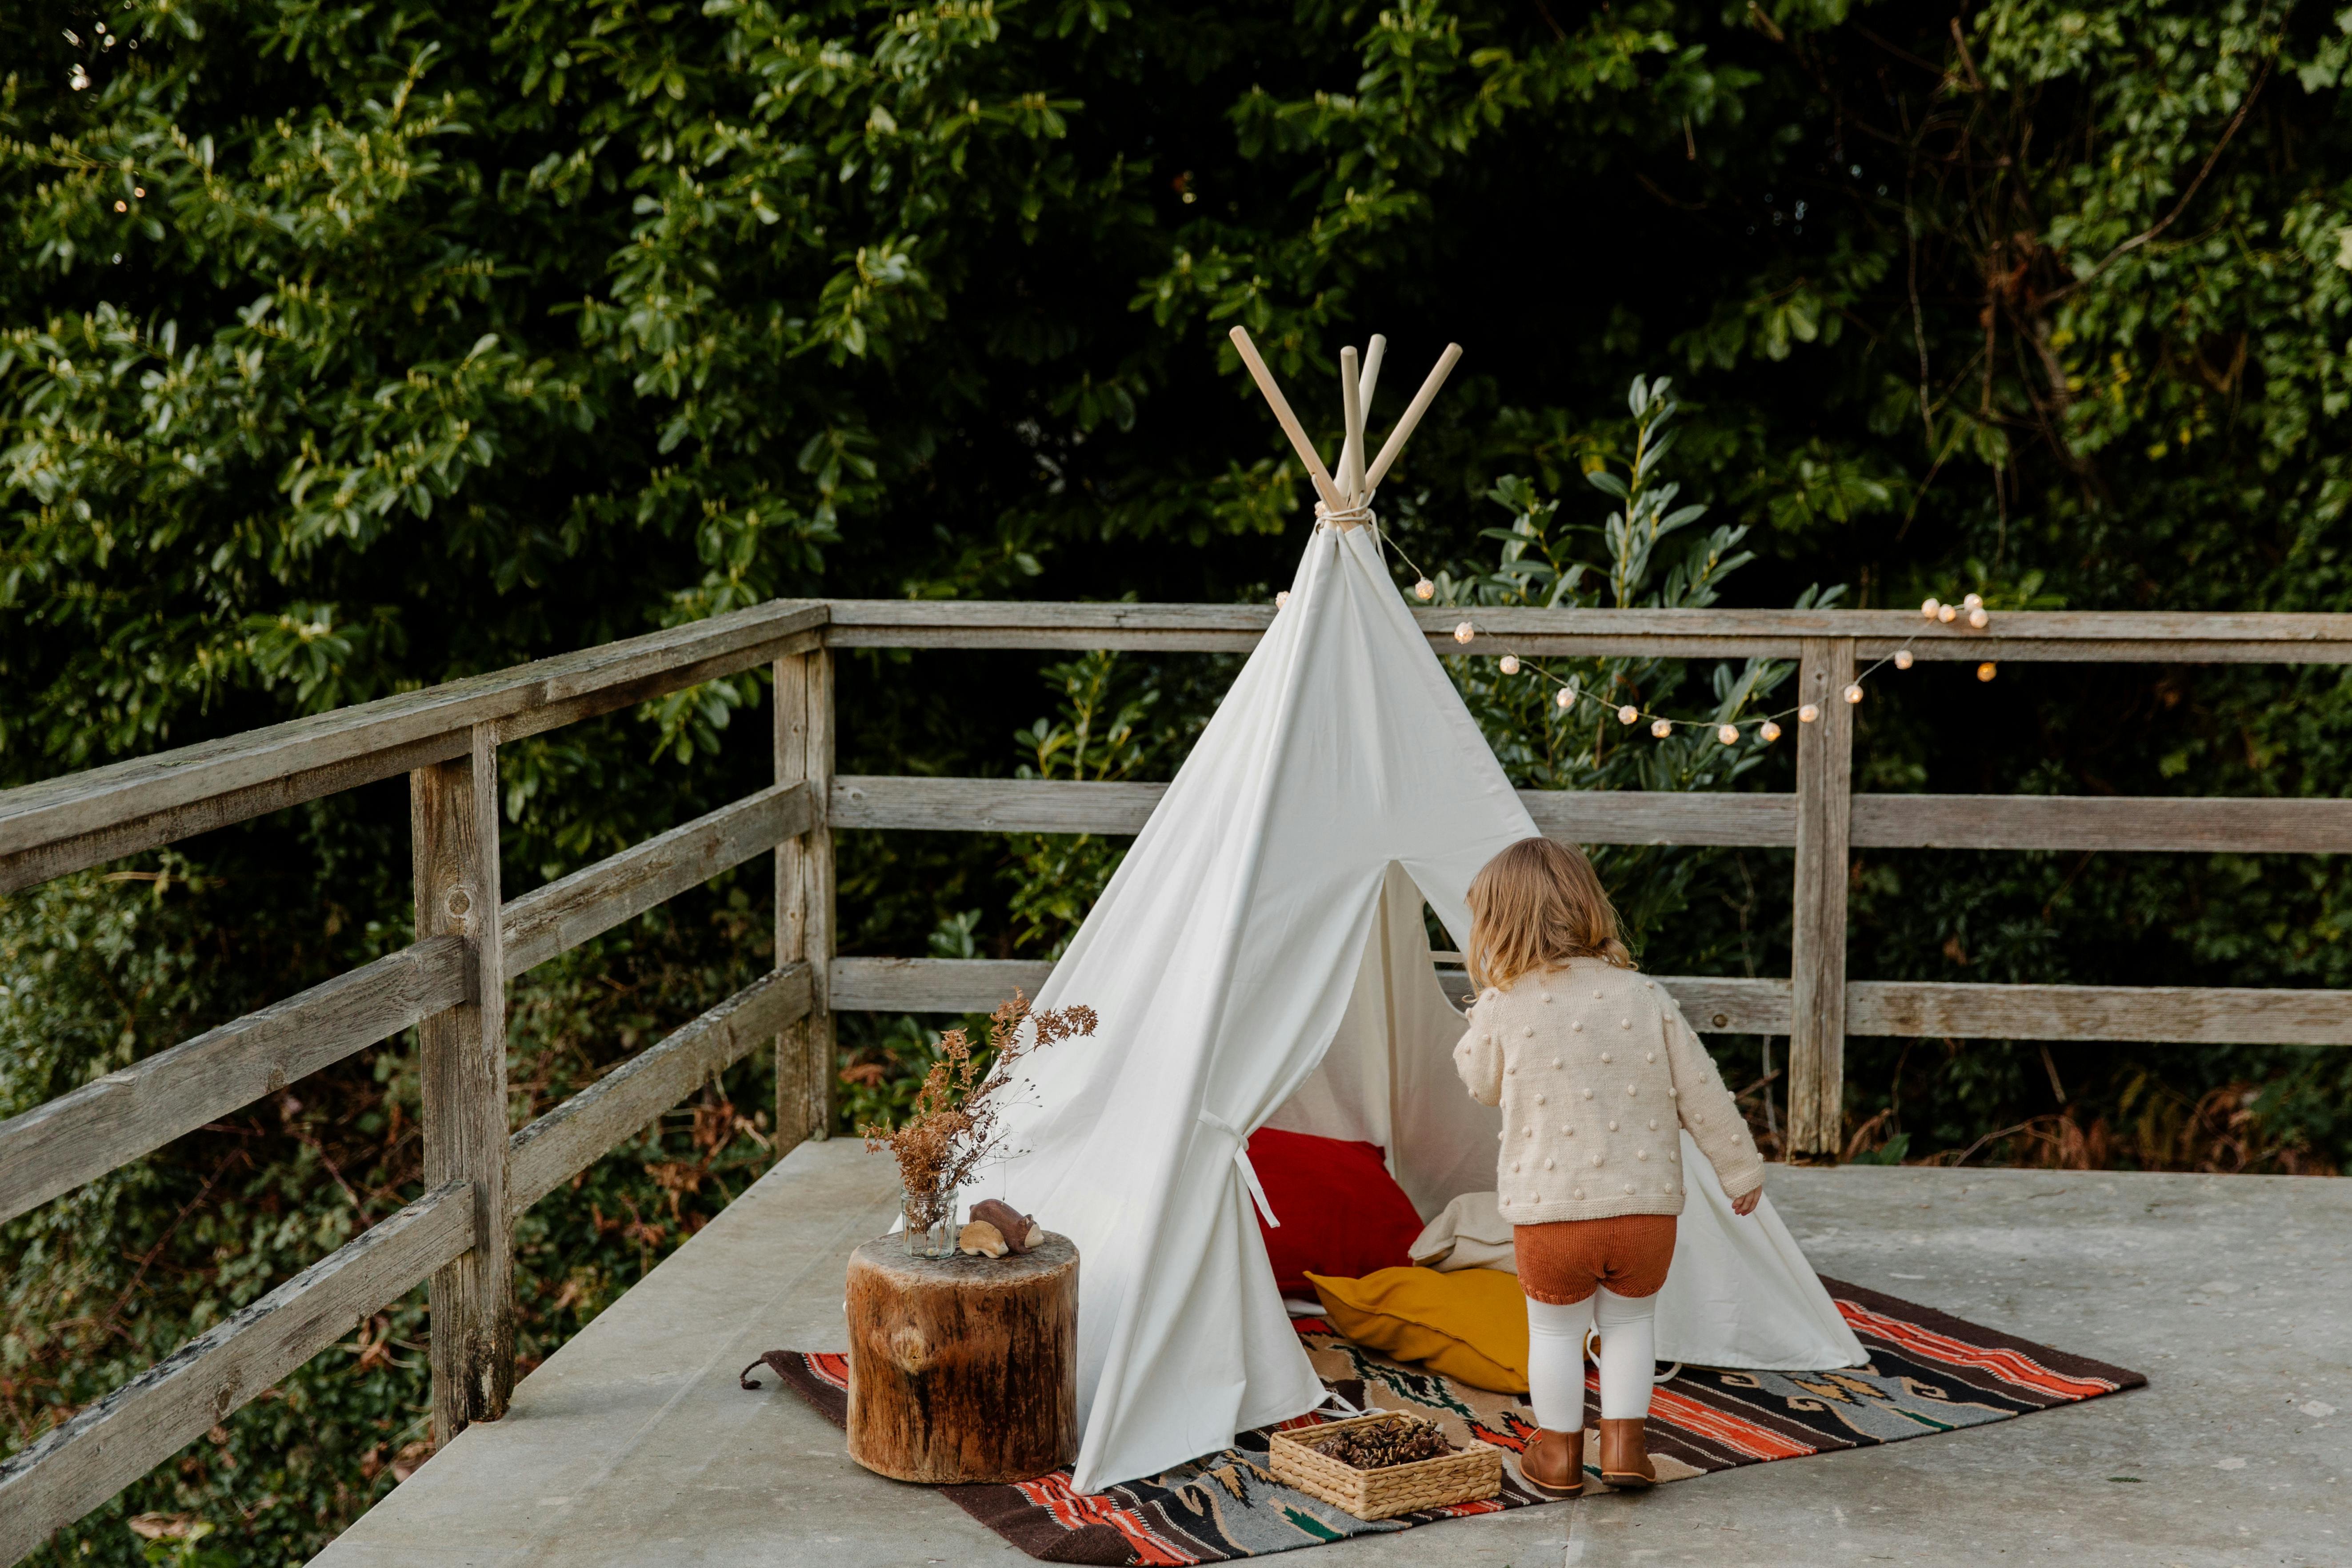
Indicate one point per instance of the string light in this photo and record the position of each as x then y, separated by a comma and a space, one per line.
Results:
1768, 729
1282, 598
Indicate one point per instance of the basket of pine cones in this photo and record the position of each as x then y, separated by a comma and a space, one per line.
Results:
1384, 1464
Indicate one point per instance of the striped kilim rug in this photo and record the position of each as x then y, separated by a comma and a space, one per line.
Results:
1927, 1373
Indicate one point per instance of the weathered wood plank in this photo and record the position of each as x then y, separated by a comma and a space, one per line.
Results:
1662, 816
817, 893
1824, 807
31, 867
2189, 1015
107, 1446
54, 1148
595, 898
1729, 1004
795, 1065
1040, 805
453, 833
991, 806
2153, 823
82, 819
576, 1133
932, 985
2101, 822
1714, 1004
2155, 637
563, 705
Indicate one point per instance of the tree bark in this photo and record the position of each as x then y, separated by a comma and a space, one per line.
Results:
963, 1369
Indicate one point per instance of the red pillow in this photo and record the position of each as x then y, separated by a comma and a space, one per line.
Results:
1342, 1214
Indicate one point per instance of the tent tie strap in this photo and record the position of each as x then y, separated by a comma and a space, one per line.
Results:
1210, 1119
1355, 516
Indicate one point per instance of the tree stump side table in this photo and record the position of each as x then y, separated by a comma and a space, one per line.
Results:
963, 1369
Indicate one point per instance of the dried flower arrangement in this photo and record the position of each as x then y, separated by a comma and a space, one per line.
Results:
955, 1126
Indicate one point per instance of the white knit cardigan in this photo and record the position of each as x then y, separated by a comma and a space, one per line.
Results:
1595, 1069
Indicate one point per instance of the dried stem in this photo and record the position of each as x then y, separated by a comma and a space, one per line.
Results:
956, 1124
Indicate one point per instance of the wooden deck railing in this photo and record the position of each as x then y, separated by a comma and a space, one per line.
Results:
450, 984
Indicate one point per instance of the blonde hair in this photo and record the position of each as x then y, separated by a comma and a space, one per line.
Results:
1535, 906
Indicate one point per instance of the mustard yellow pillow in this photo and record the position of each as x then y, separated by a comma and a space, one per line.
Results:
1471, 1324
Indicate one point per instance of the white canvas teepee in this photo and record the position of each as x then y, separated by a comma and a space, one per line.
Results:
1260, 958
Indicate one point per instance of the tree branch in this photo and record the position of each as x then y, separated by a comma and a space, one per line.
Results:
2136, 241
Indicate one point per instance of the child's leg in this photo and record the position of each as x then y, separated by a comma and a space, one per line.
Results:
1556, 1362
1628, 1350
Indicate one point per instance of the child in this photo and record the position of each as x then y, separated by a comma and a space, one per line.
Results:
1597, 1075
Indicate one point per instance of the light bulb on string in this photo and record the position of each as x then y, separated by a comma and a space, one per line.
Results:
1567, 697
1628, 713
1973, 602
1282, 598
1985, 672
1927, 607
1947, 614
1854, 692
1902, 658
1661, 728
1768, 731
1424, 589
1808, 713
1464, 632
1728, 734
1980, 619
1509, 664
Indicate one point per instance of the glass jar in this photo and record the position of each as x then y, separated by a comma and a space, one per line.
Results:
930, 1223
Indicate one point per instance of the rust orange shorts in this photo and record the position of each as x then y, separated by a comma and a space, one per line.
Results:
1567, 1260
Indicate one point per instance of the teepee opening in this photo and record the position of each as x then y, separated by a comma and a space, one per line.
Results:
1387, 1076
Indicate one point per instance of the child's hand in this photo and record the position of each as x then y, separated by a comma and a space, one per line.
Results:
1745, 1203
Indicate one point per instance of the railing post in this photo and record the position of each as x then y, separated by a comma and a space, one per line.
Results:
805, 1054
454, 831
1824, 813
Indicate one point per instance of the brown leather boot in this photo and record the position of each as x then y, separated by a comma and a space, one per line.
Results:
1625, 1456
1553, 1462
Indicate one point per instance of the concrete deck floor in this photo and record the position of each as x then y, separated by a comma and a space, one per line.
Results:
2234, 1295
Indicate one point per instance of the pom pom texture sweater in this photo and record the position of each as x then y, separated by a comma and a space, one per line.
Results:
1596, 1073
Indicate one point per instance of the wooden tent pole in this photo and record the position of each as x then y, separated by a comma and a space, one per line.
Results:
1289, 421
1352, 450
1419, 406
1374, 352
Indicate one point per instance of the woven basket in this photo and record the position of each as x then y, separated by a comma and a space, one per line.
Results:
1464, 1476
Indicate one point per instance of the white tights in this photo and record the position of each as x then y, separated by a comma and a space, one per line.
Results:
1556, 1358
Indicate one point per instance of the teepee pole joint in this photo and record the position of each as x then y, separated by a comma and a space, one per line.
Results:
1354, 486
